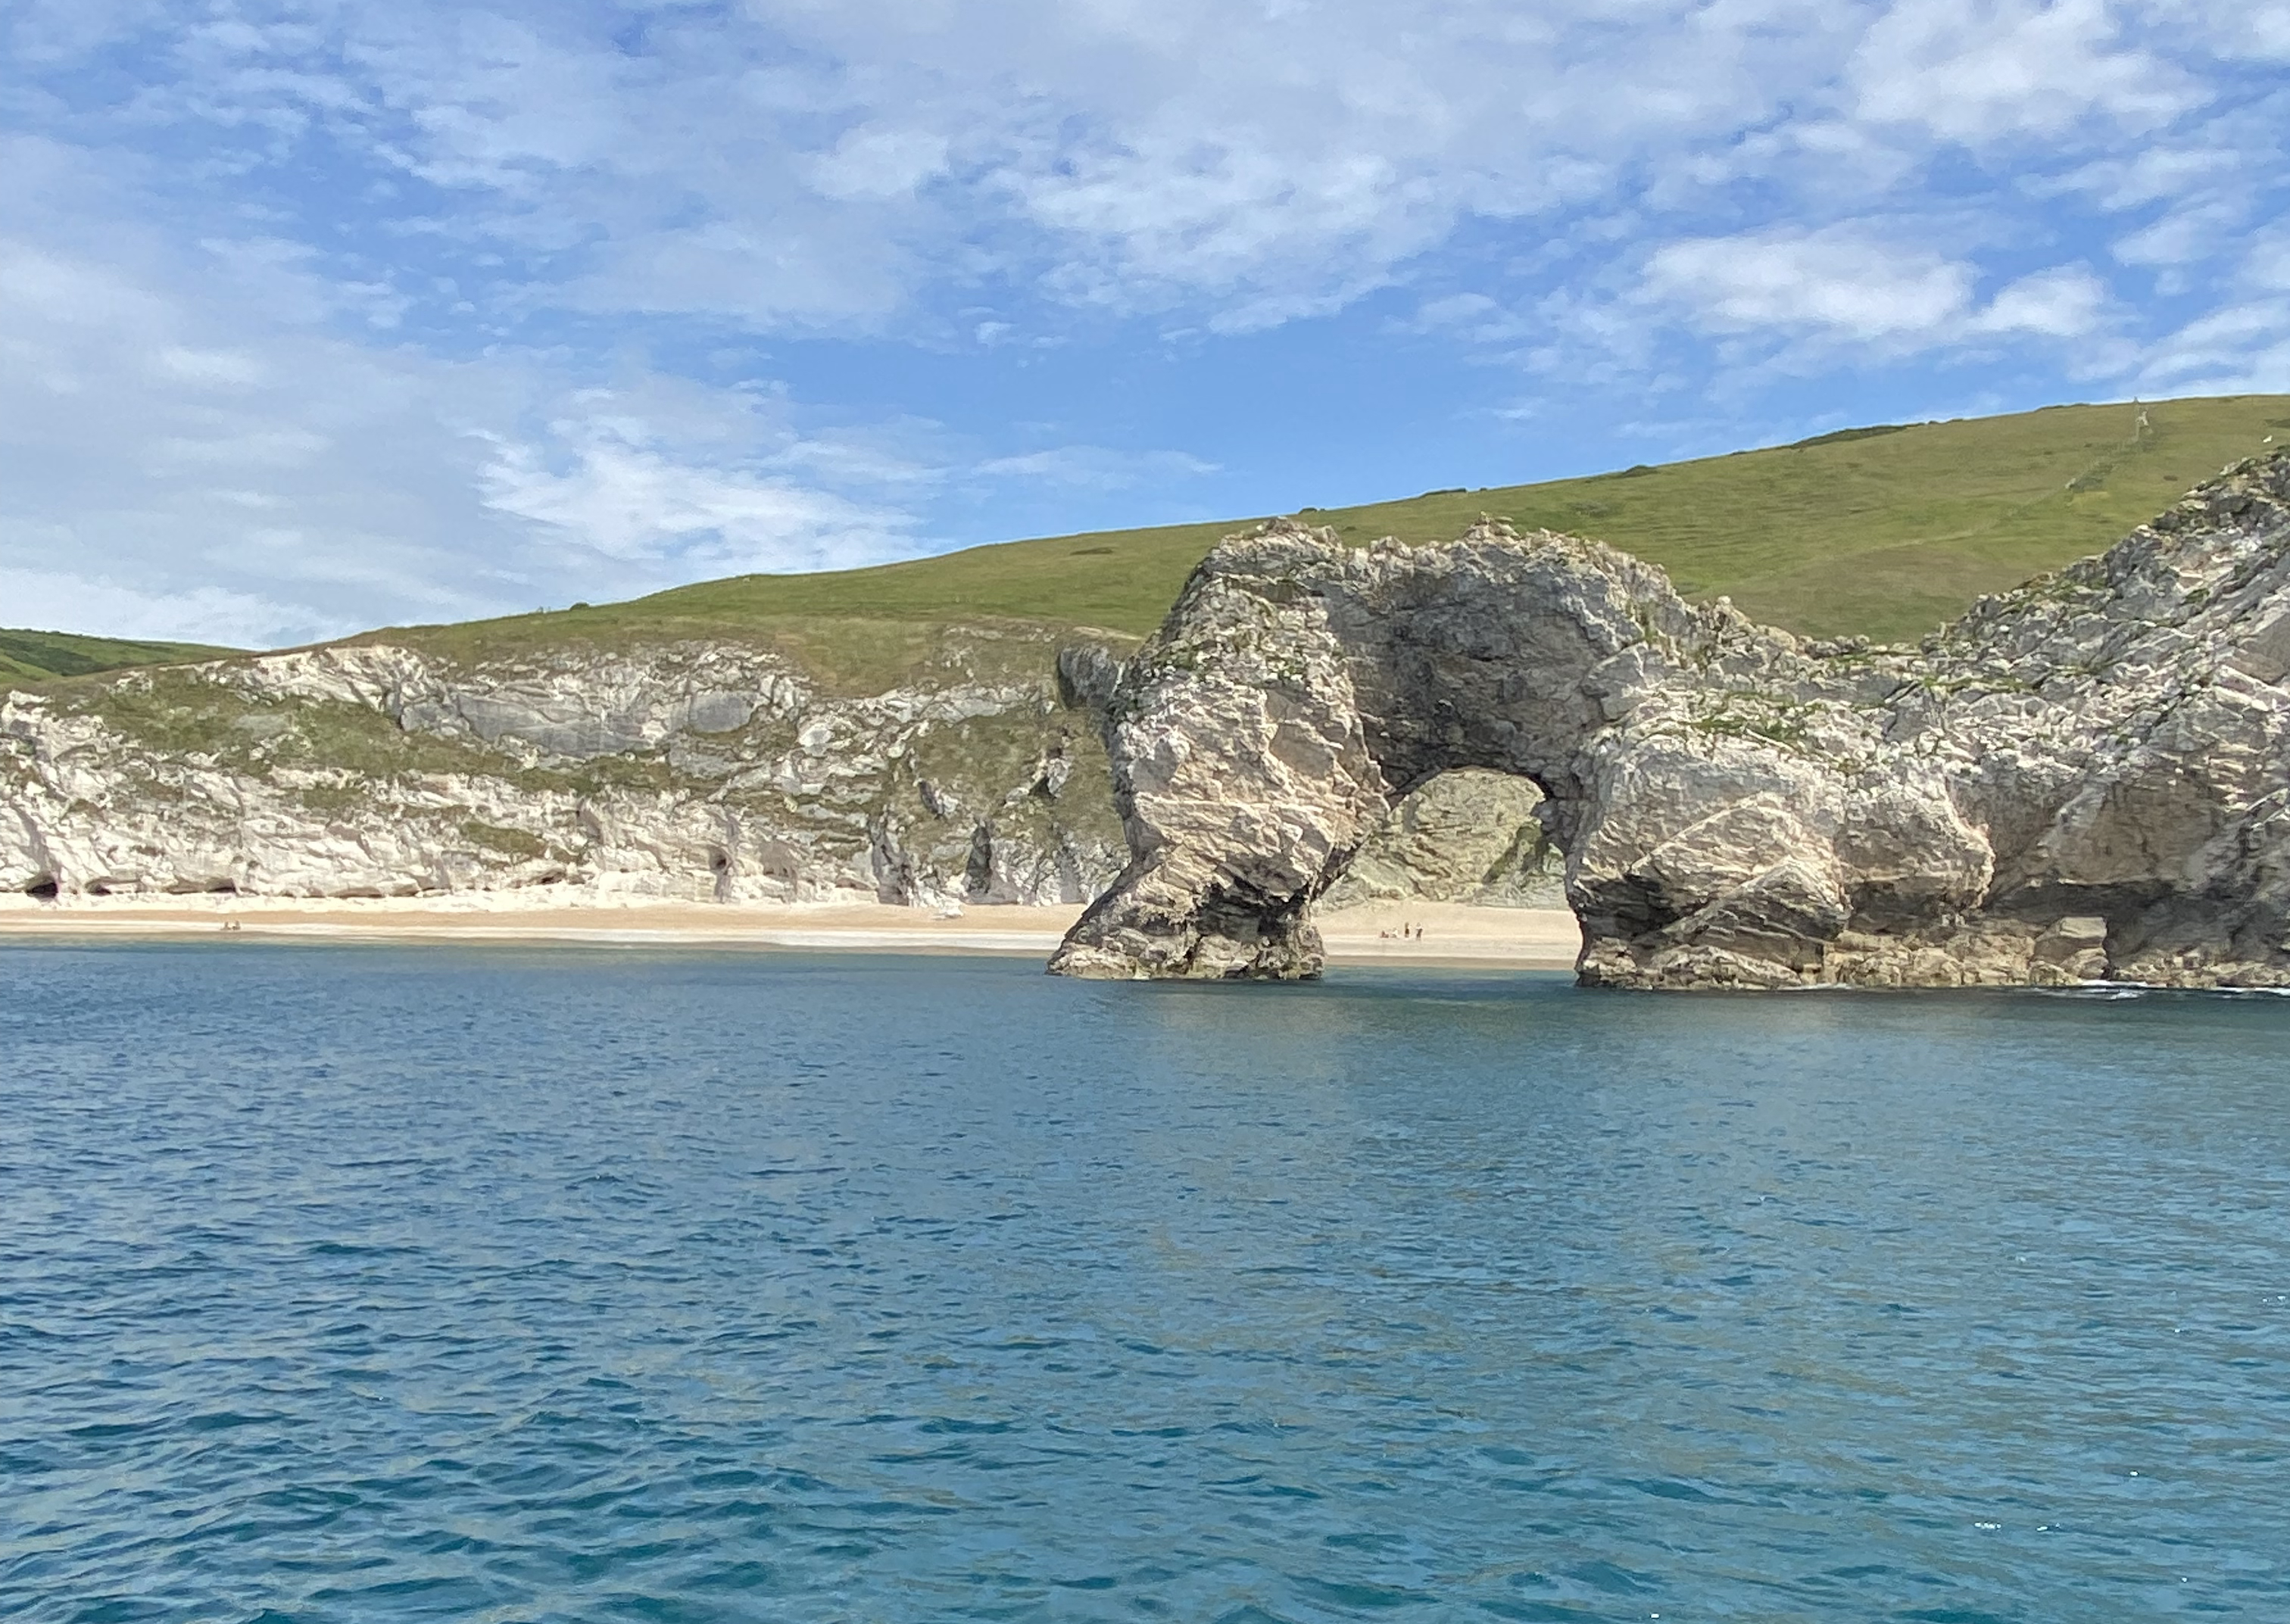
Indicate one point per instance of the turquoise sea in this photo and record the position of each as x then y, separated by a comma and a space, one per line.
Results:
366, 1283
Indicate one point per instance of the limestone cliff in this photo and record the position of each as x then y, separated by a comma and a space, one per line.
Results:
2088, 776
701, 770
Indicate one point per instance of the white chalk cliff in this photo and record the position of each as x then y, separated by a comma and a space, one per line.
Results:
700, 770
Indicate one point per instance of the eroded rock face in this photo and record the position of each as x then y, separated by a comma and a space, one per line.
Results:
698, 772
1468, 837
2087, 777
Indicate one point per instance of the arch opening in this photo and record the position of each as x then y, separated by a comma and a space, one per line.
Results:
1469, 835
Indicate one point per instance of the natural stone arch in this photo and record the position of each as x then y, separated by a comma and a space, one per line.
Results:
2086, 777
1300, 687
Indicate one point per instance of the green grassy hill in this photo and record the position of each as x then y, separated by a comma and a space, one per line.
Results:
38, 656
1882, 532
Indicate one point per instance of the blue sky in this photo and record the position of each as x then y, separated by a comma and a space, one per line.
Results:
318, 315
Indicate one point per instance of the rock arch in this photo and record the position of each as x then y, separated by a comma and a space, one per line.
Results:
2091, 775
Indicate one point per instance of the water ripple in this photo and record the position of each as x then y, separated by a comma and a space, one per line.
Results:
371, 1284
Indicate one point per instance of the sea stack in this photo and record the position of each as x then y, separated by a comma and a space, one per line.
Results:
2087, 777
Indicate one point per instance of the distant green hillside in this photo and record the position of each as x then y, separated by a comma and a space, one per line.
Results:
37, 656
1884, 532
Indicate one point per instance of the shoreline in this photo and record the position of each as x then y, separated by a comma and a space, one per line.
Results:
1454, 936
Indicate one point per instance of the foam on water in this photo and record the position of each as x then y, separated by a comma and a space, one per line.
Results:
376, 1284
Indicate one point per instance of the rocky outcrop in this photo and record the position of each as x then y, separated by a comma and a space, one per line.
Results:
1468, 837
2089, 777
698, 771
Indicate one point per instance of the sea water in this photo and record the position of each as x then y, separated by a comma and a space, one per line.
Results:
358, 1282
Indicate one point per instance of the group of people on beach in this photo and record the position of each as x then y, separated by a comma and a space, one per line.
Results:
1406, 932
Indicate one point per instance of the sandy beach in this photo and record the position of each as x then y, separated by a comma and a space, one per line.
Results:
1521, 939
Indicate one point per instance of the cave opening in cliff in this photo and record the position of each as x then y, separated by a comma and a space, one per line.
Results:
45, 888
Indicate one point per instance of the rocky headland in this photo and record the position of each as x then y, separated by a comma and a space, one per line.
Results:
2084, 778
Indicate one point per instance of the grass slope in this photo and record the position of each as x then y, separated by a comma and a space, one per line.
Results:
37, 656
1889, 535
1882, 532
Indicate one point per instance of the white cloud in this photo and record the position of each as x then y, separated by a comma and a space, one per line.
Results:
2155, 174
2246, 30
774, 278
176, 459
613, 485
800, 167
2182, 237
2242, 348
54, 600
1270, 162
2065, 303
2267, 264
1280, 166
1096, 467
1978, 70
1802, 296
876, 161
1835, 281
2264, 30
217, 368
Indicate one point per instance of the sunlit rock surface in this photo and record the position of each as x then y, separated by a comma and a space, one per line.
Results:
694, 771
2088, 776
1469, 836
